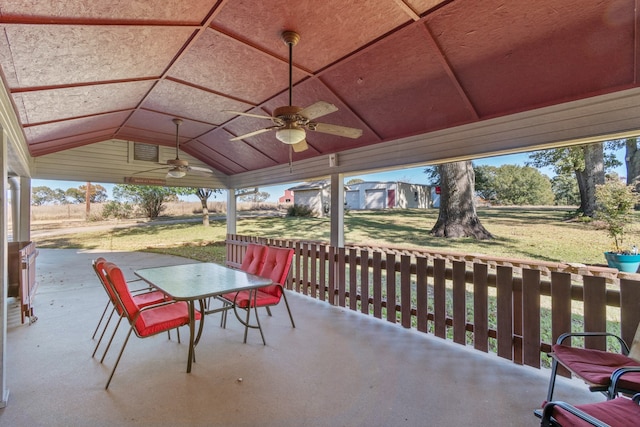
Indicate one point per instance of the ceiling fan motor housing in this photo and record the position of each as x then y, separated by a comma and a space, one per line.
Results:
177, 162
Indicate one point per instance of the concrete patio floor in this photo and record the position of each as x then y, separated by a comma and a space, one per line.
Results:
336, 368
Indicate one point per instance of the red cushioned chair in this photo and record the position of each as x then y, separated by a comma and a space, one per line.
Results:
144, 297
275, 265
252, 263
601, 370
619, 412
145, 321
253, 259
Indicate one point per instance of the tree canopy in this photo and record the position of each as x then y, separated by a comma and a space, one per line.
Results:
150, 199
513, 185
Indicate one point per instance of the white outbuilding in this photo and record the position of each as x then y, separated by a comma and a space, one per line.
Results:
366, 195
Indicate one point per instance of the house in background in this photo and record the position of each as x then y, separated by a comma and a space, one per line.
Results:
388, 195
287, 198
314, 194
365, 195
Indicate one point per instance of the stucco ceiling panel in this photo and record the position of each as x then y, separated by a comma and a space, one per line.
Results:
141, 119
408, 89
243, 152
186, 101
517, 56
422, 6
68, 128
193, 11
328, 29
217, 160
224, 65
79, 101
48, 55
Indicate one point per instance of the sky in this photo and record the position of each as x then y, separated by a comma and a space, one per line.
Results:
411, 175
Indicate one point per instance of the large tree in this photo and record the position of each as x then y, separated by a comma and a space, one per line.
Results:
148, 198
632, 161
513, 185
565, 190
457, 216
587, 162
203, 194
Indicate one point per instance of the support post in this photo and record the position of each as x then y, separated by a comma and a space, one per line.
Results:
24, 211
4, 275
20, 208
231, 211
337, 210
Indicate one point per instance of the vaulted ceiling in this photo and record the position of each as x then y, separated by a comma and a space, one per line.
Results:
80, 73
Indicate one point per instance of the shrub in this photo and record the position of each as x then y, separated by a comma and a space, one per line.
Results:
300, 210
614, 206
117, 210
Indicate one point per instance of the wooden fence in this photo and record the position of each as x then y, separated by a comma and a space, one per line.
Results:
491, 303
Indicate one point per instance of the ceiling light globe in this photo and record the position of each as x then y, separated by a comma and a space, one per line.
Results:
175, 173
290, 136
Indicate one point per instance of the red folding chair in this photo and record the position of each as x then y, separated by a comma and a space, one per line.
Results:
601, 370
143, 298
144, 321
276, 265
618, 412
252, 263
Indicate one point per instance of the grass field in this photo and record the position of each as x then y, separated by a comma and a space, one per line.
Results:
531, 233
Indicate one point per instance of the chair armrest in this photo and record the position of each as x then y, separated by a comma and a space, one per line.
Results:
617, 374
624, 348
548, 410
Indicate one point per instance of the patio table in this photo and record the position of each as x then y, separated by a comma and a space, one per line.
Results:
198, 282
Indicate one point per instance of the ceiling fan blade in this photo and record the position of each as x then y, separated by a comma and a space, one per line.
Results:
319, 109
255, 132
151, 170
300, 146
200, 171
239, 113
336, 130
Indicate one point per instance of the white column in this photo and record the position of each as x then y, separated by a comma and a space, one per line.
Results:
20, 208
14, 187
337, 210
24, 211
4, 278
231, 211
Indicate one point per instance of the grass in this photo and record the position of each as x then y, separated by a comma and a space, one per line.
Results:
542, 234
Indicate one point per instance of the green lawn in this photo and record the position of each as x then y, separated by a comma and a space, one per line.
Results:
537, 233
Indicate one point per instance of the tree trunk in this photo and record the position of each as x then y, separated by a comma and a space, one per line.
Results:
205, 213
590, 176
632, 161
457, 216
204, 194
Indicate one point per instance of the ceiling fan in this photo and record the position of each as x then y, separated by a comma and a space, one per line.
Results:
290, 122
178, 167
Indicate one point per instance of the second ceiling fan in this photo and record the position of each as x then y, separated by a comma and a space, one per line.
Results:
290, 122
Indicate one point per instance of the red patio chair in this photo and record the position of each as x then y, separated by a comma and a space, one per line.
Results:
276, 266
144, 297
601, 370
619, 412
144, 321
252, 263
253, 259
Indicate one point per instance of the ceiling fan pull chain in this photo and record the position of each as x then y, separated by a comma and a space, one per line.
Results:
290, 159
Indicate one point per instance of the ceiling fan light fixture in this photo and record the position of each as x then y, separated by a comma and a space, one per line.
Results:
176, 173
290, 135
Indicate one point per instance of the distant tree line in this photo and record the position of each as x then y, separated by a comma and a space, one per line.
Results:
43, 195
